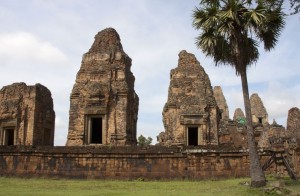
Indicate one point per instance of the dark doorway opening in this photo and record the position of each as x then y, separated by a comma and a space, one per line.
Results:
96, 130
260, 120
193, 136
9, 137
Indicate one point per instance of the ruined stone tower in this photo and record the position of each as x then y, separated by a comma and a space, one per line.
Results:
293, 122
190, 115
221, 102
238, 113
26, 115
259, 112
103, 103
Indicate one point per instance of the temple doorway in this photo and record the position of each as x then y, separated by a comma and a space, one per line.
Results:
9, 136
193, 136
96, 130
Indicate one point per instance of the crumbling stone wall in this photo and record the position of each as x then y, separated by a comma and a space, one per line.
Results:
191, 114
272, 131
235, 132
130, 162
234, 135
26, 115
103, 103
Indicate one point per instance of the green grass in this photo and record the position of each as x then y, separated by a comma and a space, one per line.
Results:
34, 186
293, 185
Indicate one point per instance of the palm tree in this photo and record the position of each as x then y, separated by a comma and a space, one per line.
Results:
231, 31
295, 4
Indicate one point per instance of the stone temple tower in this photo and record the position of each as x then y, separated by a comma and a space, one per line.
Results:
103, 103
221, 102
191, 114
293, 123
259, 112
26, 115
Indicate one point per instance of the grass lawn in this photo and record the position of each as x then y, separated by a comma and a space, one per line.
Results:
40, 186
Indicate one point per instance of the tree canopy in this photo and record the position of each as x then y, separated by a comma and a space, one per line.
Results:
232, 29
143, 141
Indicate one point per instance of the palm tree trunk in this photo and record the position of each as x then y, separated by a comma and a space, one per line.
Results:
257, 175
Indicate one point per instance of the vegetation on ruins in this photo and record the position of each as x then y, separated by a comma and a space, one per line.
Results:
231, 31
143, 141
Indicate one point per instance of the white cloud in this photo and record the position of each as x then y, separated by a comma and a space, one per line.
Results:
21, 46
278, 99
26, 58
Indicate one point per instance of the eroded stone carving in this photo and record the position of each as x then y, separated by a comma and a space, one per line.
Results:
190, 115
26, 115
104, 105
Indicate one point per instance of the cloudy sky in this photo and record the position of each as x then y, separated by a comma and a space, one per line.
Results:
42, 41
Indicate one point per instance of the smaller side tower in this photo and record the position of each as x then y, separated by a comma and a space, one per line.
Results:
26, 115
190, 115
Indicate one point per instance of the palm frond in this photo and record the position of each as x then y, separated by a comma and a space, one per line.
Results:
230, 26
205, 18
271, 28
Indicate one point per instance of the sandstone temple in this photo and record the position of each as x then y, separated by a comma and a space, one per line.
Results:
199, 141
104, 106
191, 114
196, 114
26, 115
103, 103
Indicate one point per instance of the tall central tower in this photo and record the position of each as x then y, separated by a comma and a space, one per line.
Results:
103, 103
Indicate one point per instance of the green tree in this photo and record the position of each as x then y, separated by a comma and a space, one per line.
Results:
231, 31
142, 141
